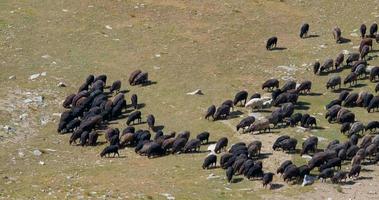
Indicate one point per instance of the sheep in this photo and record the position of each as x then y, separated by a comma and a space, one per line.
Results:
374, 73
327, 65
373, 29
365, 42
304, 170
254, 148
210, 112
311, 121
114, 140
270, 84
133, 76
241, 96
222, 112
352, 78
354, 171
101, 77
136, 115
304, 30
225, 158
255, 171
192, 146
92, 138
98, 85
271, 43
351, 100
326, 173
84, 138
204, 136
178, 145
364, 52
267, 178
287, 145
279, 140
356, 128
221, 144
333, 82
347, 117
316, 67
283, 166
333, 103
337, 34
246, 122
373, 125
141, 78
150, 121
360, 70
209, 162
343, 94
339, 176
134, 100
363, 29
155, 150
304, 87
310, 144
168, 143
72, 125
110, 149
331, 163
374, 103
127, 139
352, 57
291, 172
256, 103
339, 60
345, 127
259, 126
68, 101
288, 85
377, 87
116, 86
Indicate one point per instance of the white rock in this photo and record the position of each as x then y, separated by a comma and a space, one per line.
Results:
12, 77
168, 196
23, 116
34, 76
354, 34
64, 10
28, 101
44, 121
212, 176
157, 55
156, 67
196, 92
306, 157
46, 56
37, 152
61, 84
43, 74
308, 180
41, 163
9, 129
108, 27
21, 154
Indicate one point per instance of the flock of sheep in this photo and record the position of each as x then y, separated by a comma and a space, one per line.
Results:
90, 110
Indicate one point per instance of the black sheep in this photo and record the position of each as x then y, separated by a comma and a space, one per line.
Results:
178, 145
255, 95
241, 96
134, 100
363, 29
333, 82
210, 112
228, 103
84, 138
304, 87
133, 76
75, 136
373, 125
136, 115
352, 57
222, 112
304, 170
332, 103
354, 171
110, 149
68, 101
339, 176
229, 174
246, 122
92, 138
345, 127
192, 146
291, 172
150, 121
304, 30
373, 29
204, 136
270, 84
283, 166
116, 86
364, 52
210, 161
343, 94
222, 143
326, 173
352, 78
271, 42
288, 85
337, 34
267, 179
316, 67
335, 162
155, 150
339, 60
141, 78
278, 140
374, 104
114, 140
374, 73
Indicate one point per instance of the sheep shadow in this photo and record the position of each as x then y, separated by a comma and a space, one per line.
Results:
148, 83
139, 106
235, 114
344, 40
158, 128
364, 178
350, 182
276, 186
264, 155
313, 94
114, 157
237, 180
278, 49
358, 85
341, 89
124, 91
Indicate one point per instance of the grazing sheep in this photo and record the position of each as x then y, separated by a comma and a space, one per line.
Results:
168, 143
210, 112
347, 117
291, 172
374, 73
133, 76
127, 139
279, 140
377, 87
92, 138
288, 85
116, 86
333, 82
271, 43
204, 136
304, 119
136, 115
283, 166
259, 126
352, 78
339, 176
101, 77
68, 101
255, 171
210, 161
72, 125
84, 138
178, 145
310, 144
331, 163
155, 150
192, 146
374, 104
246, 122
304, 87
325, 174
352, 57
114, 140
254, 148
311, 122
117, 98
360, 70
222, 112
267, 178
364, 52
327, 65
333, 103
373, 125
345, 127
365, 42
287, 145
351, 100
294, 119
221, 144
229, 174
363, 29
256, 103
316, 67
270, 84
356, 128
141, 78
241, 96
304, 170
367, 99
228, 103
373, 29
150, 121
354, 171
337, 34
339, 60
134, 100
110, 149
304, 30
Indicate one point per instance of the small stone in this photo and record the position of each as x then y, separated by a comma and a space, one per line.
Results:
156, 67
41, 163
12, 77
37, 152
157, 55
372, 192
196, 92
43, 74
34, 76
108, 27
23, 116
212, 176
61, 84
64, 10
46, 56
21, 154
28, 101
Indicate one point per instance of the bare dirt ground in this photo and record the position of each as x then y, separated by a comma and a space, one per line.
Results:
215, 46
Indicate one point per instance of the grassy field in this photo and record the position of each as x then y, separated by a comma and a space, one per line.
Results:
215, 46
